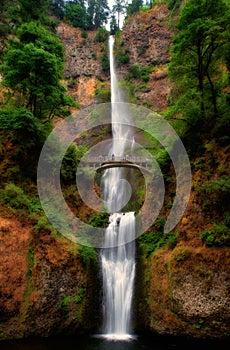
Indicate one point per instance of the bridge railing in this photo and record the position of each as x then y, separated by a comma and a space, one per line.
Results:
114, 158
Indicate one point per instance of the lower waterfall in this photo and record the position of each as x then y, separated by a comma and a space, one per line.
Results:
118, 269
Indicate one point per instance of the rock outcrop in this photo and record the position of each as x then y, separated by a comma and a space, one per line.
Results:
46, 288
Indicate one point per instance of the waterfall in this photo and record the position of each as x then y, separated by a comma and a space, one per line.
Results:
118, 263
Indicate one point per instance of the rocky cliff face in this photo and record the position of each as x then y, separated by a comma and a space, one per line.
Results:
186, 287
83, 69
46, 286
146, 40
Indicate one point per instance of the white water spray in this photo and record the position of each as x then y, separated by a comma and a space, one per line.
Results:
118, 263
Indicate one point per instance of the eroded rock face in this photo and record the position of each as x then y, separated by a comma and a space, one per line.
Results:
187, 292
147, 37
82, 54
194, 296
45, 287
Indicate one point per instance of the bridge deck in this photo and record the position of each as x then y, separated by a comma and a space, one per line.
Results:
105, 162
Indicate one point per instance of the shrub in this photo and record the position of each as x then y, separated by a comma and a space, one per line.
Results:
101, 35
105, 61
103, 95
141, 73
87, 255
84, 34
216, 192
14, 197
80, 295
151, 241
123, 58
69, 165
43, 225
63, 304
219, 235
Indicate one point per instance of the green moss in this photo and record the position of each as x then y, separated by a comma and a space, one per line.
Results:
80, 295
14, 197
219, 236
155, 239
88, 255
63, 304
103, 96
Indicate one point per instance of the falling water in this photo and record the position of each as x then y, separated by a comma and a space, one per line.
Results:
118, 263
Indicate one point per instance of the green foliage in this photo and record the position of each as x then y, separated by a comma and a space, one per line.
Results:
63, 304
88, 255
80, 295
196, 66
30, 259
119, 8
113, 25
122, 58
105, 61
22, 127
151, 241
218, 236
84, 34
43, 225
103, 96
58, 8
14, 197
215, 193
17, 201
76, 15
98, 12
33, 68
141, 73
102, 35
69, 165
31, 10
134, 7
99, 220
27, 133
174, 4
198, 326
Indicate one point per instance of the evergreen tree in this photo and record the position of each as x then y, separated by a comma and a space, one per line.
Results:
120, 8
58, 8
98, 12
113, 25
76, 14
197, 60
31, 10
134, 7
33, 68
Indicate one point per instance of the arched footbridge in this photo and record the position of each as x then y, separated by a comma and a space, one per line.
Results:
107, 162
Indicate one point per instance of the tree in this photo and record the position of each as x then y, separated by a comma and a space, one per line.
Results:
58, 8
113, 25
31, 10
134, 7
24, 134
33, 68
98, 12
197, 60
76, 15
120, 8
